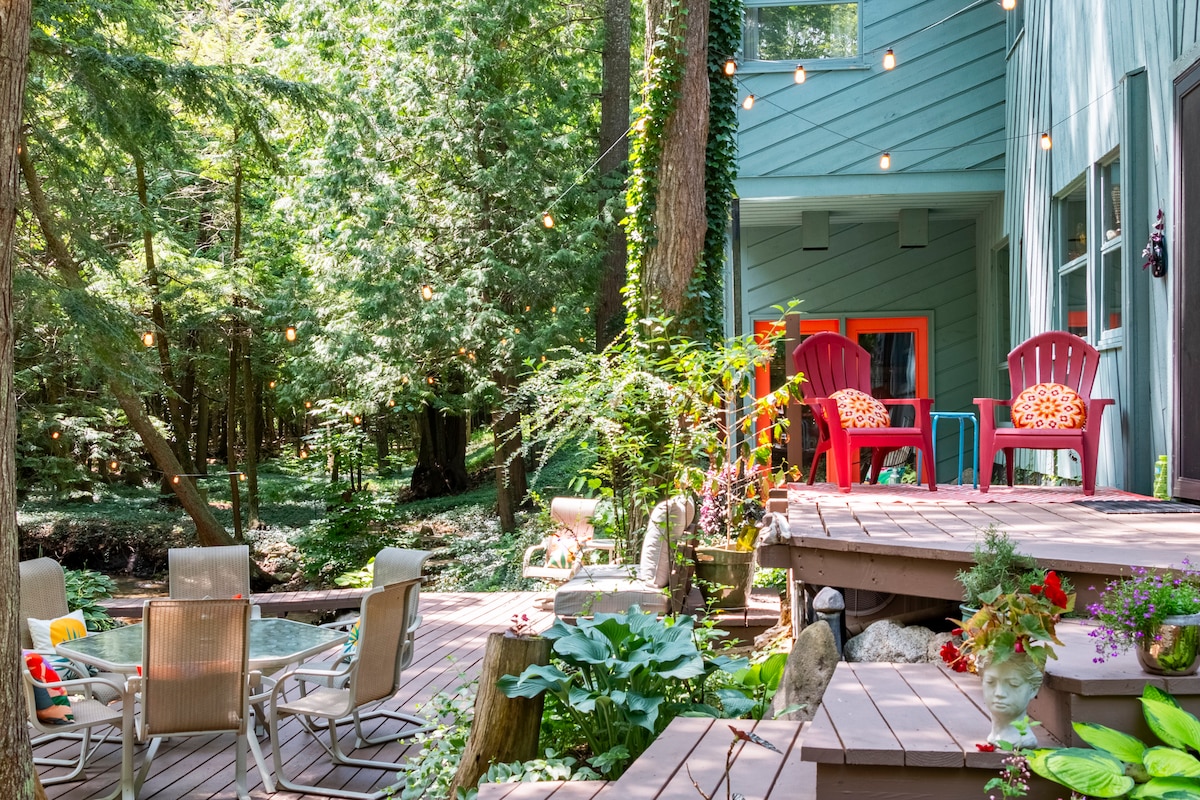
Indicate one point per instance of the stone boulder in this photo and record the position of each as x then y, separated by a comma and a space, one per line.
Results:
809, 667
888, 640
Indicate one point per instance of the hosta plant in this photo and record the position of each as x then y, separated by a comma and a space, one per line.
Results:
1120, 765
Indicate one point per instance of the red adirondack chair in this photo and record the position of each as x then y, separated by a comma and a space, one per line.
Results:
1052, 357
831, 362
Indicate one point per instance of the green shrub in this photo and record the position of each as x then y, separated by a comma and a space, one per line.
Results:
84, 588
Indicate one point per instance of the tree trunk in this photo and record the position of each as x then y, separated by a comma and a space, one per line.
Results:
673, 251
441, 467
250, 430
614, 152
511, 483
208, 530
17, 777
174, 412
235, 499
203, 432
505, 728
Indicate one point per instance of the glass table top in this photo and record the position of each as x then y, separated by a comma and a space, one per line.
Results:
274, 642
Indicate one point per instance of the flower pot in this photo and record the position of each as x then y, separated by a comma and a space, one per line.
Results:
724, 575
1172, 648
1008, 687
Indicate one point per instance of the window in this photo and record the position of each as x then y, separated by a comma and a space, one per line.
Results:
1090, 260
799, 30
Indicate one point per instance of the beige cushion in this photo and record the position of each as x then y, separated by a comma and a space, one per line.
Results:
607, 589
667, 523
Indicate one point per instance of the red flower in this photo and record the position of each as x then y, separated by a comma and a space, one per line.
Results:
953, 657
1054, 592
1035, 588
1019, 647
986, 747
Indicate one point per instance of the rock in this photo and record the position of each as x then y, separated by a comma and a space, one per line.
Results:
829, 601
887, 640
809, 667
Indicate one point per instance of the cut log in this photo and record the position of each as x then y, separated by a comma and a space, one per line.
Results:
505, 729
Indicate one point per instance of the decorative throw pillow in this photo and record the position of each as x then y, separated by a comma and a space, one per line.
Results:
351, 644
561, 551
53, 706
667, 523
1049, 405
49, 633
860, 410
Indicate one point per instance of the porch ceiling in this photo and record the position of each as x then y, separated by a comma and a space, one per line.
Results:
769, 211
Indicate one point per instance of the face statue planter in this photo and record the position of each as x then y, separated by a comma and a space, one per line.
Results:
1008, 686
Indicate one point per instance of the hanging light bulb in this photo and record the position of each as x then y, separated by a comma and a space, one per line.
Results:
357, 419
308, 404
55, 434
889, 59
290, 333
429, 380
112, 465
800, 76
516, 330
175, 480
271, 385
587, 309
148, 338
391, 403
241, 476
1045, 141
426, 292
730, 67
748, 103
885, 161
304, 454
1008, 5
547, 220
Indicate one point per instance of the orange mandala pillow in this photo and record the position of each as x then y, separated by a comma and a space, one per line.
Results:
1049, 405
860, 410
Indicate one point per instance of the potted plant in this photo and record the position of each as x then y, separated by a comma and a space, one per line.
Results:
731, 508
1008, 641
1155, 612
997, 564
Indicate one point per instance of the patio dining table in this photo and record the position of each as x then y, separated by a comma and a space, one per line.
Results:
274, 643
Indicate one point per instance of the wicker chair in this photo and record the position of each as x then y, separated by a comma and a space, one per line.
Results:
204, 573
89, 713
336, 696
194, 678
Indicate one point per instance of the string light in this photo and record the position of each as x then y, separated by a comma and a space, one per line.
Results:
112, 465
553, 309
1008, 5
547, 220
290, 333
357, 420
271, 385
426, 292
587, 309
885, 161
889, 59
148, 338
516, 330
391, 403
748, 103
303, 454
800, 75
1045, 141
730, 67
308, 404
55, 434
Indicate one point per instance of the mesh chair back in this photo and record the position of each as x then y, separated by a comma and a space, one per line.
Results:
199, 573
194, 657
575, 515
396, 564
43, 594
383, 631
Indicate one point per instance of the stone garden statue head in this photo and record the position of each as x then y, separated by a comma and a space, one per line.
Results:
1008, 686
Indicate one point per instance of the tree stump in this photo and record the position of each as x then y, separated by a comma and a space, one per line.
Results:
505, 728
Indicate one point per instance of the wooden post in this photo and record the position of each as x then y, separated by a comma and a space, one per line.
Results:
506, 728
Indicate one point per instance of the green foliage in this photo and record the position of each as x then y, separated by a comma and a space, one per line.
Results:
432, 770
550, 768
1120, 765
997, 564
654, 409
751, 689
84, 588
620, 678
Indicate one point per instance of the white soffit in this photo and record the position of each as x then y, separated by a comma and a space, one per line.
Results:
758, 212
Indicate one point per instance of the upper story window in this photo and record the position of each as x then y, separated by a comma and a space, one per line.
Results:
1090, 258
800, 30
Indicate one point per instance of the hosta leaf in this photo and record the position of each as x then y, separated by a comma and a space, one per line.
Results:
734, 703
1172, 724
533, 681
772, 669
1167, 789
1090, 772
1167, 762
1122, 745
583, 648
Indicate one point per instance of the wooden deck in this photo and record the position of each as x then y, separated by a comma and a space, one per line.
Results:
692, 749
910, 541
451, 639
